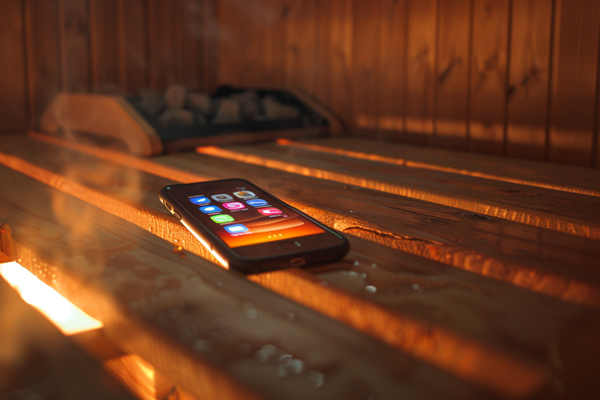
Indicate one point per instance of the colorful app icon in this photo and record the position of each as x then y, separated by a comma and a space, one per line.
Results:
257, 202
222, 218
222, 197
210, 209
200, 200
269, 211
244, 194
236, 205
237, 228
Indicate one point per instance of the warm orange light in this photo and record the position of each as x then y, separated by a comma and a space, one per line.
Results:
61, 312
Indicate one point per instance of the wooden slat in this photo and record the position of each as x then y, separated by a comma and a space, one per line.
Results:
339, 275
561, 211
204, 327
421, 66
452, 75
300, 31
134, 57
74, 39
557, 177
492, 247
37, 359
164, 50
365, 68
13, 102
393, 25
488, 76
575, 70
192, 43
528, 78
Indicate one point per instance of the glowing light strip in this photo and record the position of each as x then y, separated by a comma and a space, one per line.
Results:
61, 312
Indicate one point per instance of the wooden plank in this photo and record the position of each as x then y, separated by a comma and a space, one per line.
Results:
193, 44
421, 71
575, 70
561, 211
134, 34
43, 57
365, 68
190, 319
528, 79
104, 47
557, 177
13, 102
74, 39
164, 45
300, 31
452, 75
229, 49
211, 34
488, 76
40, 361
491, 247
338, 275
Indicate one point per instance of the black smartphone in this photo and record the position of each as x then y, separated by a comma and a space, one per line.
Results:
250, 230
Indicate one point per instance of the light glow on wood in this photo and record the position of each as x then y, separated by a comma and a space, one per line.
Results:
61, 312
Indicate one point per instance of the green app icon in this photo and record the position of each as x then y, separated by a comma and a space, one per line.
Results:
222, 218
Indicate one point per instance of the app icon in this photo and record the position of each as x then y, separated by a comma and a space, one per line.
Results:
200, 200
210, 209
222, 197
237, 228
257, 202
269, 211
244, 194
222, 218
236, 205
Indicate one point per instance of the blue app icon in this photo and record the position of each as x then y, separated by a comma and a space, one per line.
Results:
200, 200
256, 202
210, 209
237, 228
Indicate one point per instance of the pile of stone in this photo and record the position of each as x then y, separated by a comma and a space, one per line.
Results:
179, 107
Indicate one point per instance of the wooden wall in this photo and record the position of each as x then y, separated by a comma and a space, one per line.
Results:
508, 77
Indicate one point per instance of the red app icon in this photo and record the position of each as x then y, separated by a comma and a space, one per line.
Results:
269, 211
235, 205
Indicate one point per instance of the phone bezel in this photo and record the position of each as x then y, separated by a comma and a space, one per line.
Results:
317, 248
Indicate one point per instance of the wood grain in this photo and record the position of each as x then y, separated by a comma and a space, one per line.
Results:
528, 79
164, 53
300, 34
74, 36
13, 102
104, 47
135, 47
169, 310
488, 76
452, 74
575, 70
341, 275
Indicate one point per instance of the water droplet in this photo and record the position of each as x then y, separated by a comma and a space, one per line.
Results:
150, 229
297, 366
373, 265
317, 377
290, 316
416, 287
202, 345
220, 284
251, 314
215, 337
371, 289
285, 359
356, 263
363, 275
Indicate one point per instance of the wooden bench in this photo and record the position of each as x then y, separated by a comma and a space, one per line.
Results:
469, 276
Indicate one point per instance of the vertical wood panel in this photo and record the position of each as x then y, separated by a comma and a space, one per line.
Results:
229, 48
134, 38
393, 22
104, 46
452, 75
420, 84
300, 34
13, 106
366, 80
211, 43
192, 43
164, 38
340, 59
43, 65
528, 78
488, 76
74, 45
575, 58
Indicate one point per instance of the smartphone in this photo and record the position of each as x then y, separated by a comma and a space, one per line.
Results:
249, 230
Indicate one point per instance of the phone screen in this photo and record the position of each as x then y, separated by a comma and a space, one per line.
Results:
245, 215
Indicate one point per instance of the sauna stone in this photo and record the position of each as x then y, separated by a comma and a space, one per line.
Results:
199, 102
176, 117
275, 110
175, 96
227, 113
152, 101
